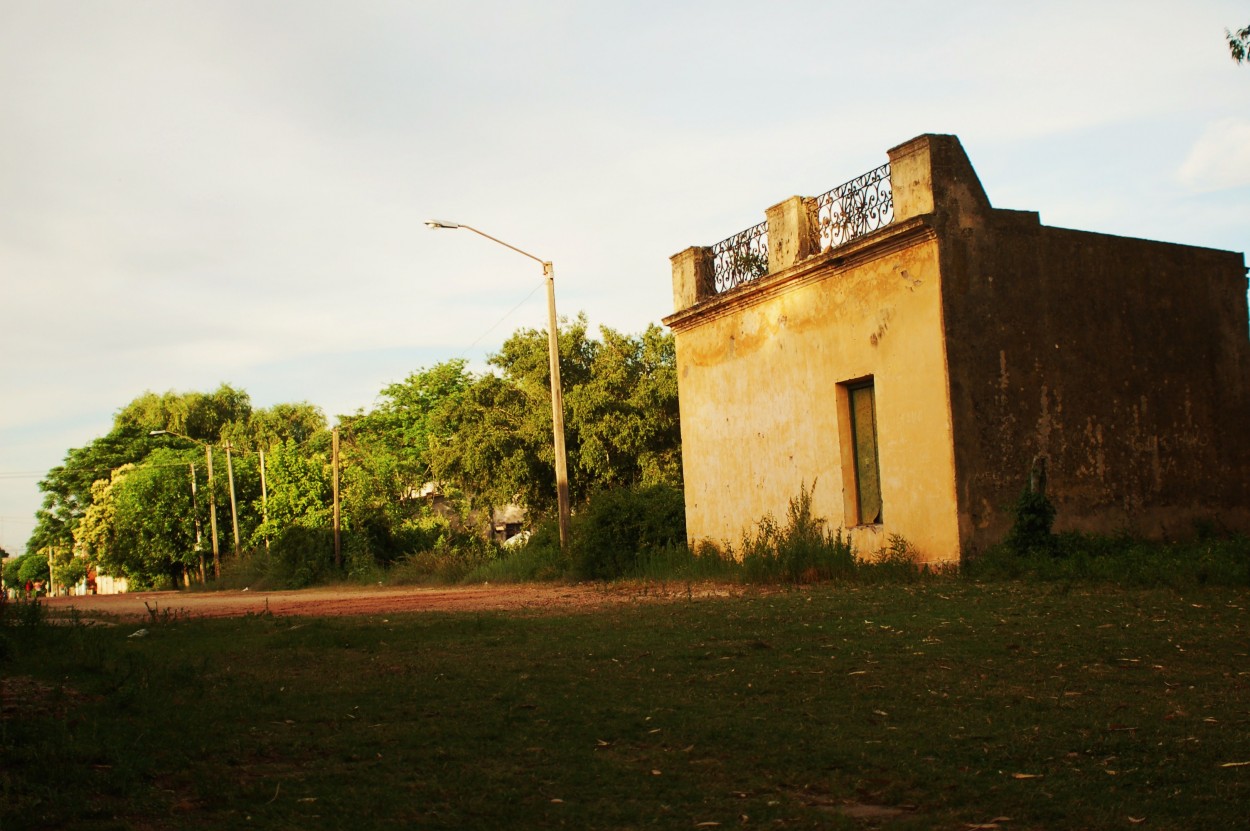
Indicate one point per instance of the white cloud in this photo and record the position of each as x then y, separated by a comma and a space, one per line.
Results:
1220, 158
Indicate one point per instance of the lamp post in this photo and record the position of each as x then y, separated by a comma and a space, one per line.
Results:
212, 494
557, 395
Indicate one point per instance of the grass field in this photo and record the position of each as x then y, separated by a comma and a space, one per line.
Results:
942, 704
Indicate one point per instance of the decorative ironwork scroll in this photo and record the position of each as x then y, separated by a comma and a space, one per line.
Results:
741, 258
855, 208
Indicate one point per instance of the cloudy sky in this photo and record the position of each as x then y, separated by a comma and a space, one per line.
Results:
199, 192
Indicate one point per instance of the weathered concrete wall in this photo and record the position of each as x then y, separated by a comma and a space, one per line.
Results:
763, 415
1124, 363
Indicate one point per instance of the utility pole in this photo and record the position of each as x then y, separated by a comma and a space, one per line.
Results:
212, 496
195, 512
234, 511
557, 408
264, 501
338, 549
212, 511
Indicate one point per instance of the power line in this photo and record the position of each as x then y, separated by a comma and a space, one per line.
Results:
39, 475
495, 325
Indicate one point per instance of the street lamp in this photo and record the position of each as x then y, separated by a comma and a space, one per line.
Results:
212, 498
557, 395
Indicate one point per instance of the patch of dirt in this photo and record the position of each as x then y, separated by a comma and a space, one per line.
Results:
23, 697
340, 600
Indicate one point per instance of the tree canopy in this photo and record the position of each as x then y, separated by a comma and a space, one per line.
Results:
137, 505
1238, 44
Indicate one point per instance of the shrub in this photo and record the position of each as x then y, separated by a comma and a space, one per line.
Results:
301, 556
895, 563
358, 560
454, 555
27, 612
803, 551
620, 526
539, 558
1031, 529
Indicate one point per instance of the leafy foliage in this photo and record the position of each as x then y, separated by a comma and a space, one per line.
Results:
420, 472
299, 490
1031, 529
622, 526
202, 416
621, 423
302, 555
68, 570
1238, 44
801, 551
140, 523
32, 566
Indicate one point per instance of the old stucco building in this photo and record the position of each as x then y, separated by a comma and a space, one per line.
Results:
915, 352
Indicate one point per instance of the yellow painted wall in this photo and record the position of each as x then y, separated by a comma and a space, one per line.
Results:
759, 375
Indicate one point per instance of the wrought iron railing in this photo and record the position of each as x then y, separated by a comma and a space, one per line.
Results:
741, 258
855, 208
847, 212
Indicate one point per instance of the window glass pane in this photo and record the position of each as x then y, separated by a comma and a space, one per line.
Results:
867, 472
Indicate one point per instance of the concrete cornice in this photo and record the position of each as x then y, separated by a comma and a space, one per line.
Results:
826, 265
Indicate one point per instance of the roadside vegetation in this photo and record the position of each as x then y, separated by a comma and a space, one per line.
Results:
425, 475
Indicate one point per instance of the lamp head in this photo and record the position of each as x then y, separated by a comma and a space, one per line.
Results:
158, 432
439, 223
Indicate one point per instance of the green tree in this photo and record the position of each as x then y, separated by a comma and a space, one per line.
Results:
299, 489
1238, 44
32, 567
143, 527
96, 531
140, 524
68, 487
298, 423
386, 458
498, 445
408, 415
621, 419
626, 413
493, 446
201, 416
66, 569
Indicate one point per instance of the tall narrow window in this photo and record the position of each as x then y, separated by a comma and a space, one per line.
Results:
864, 443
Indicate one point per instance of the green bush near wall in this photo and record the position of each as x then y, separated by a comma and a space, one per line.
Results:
621, 527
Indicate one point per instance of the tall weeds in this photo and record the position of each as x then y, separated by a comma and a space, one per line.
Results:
801, 551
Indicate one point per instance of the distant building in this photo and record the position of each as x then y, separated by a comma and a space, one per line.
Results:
503, 523
917, 354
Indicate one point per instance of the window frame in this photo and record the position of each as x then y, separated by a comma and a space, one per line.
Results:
853, 448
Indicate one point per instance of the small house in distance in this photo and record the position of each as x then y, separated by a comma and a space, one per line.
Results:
912, 354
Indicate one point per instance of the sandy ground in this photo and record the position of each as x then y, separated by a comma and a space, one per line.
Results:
320, 602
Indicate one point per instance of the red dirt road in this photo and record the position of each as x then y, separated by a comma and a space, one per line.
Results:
322, 602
